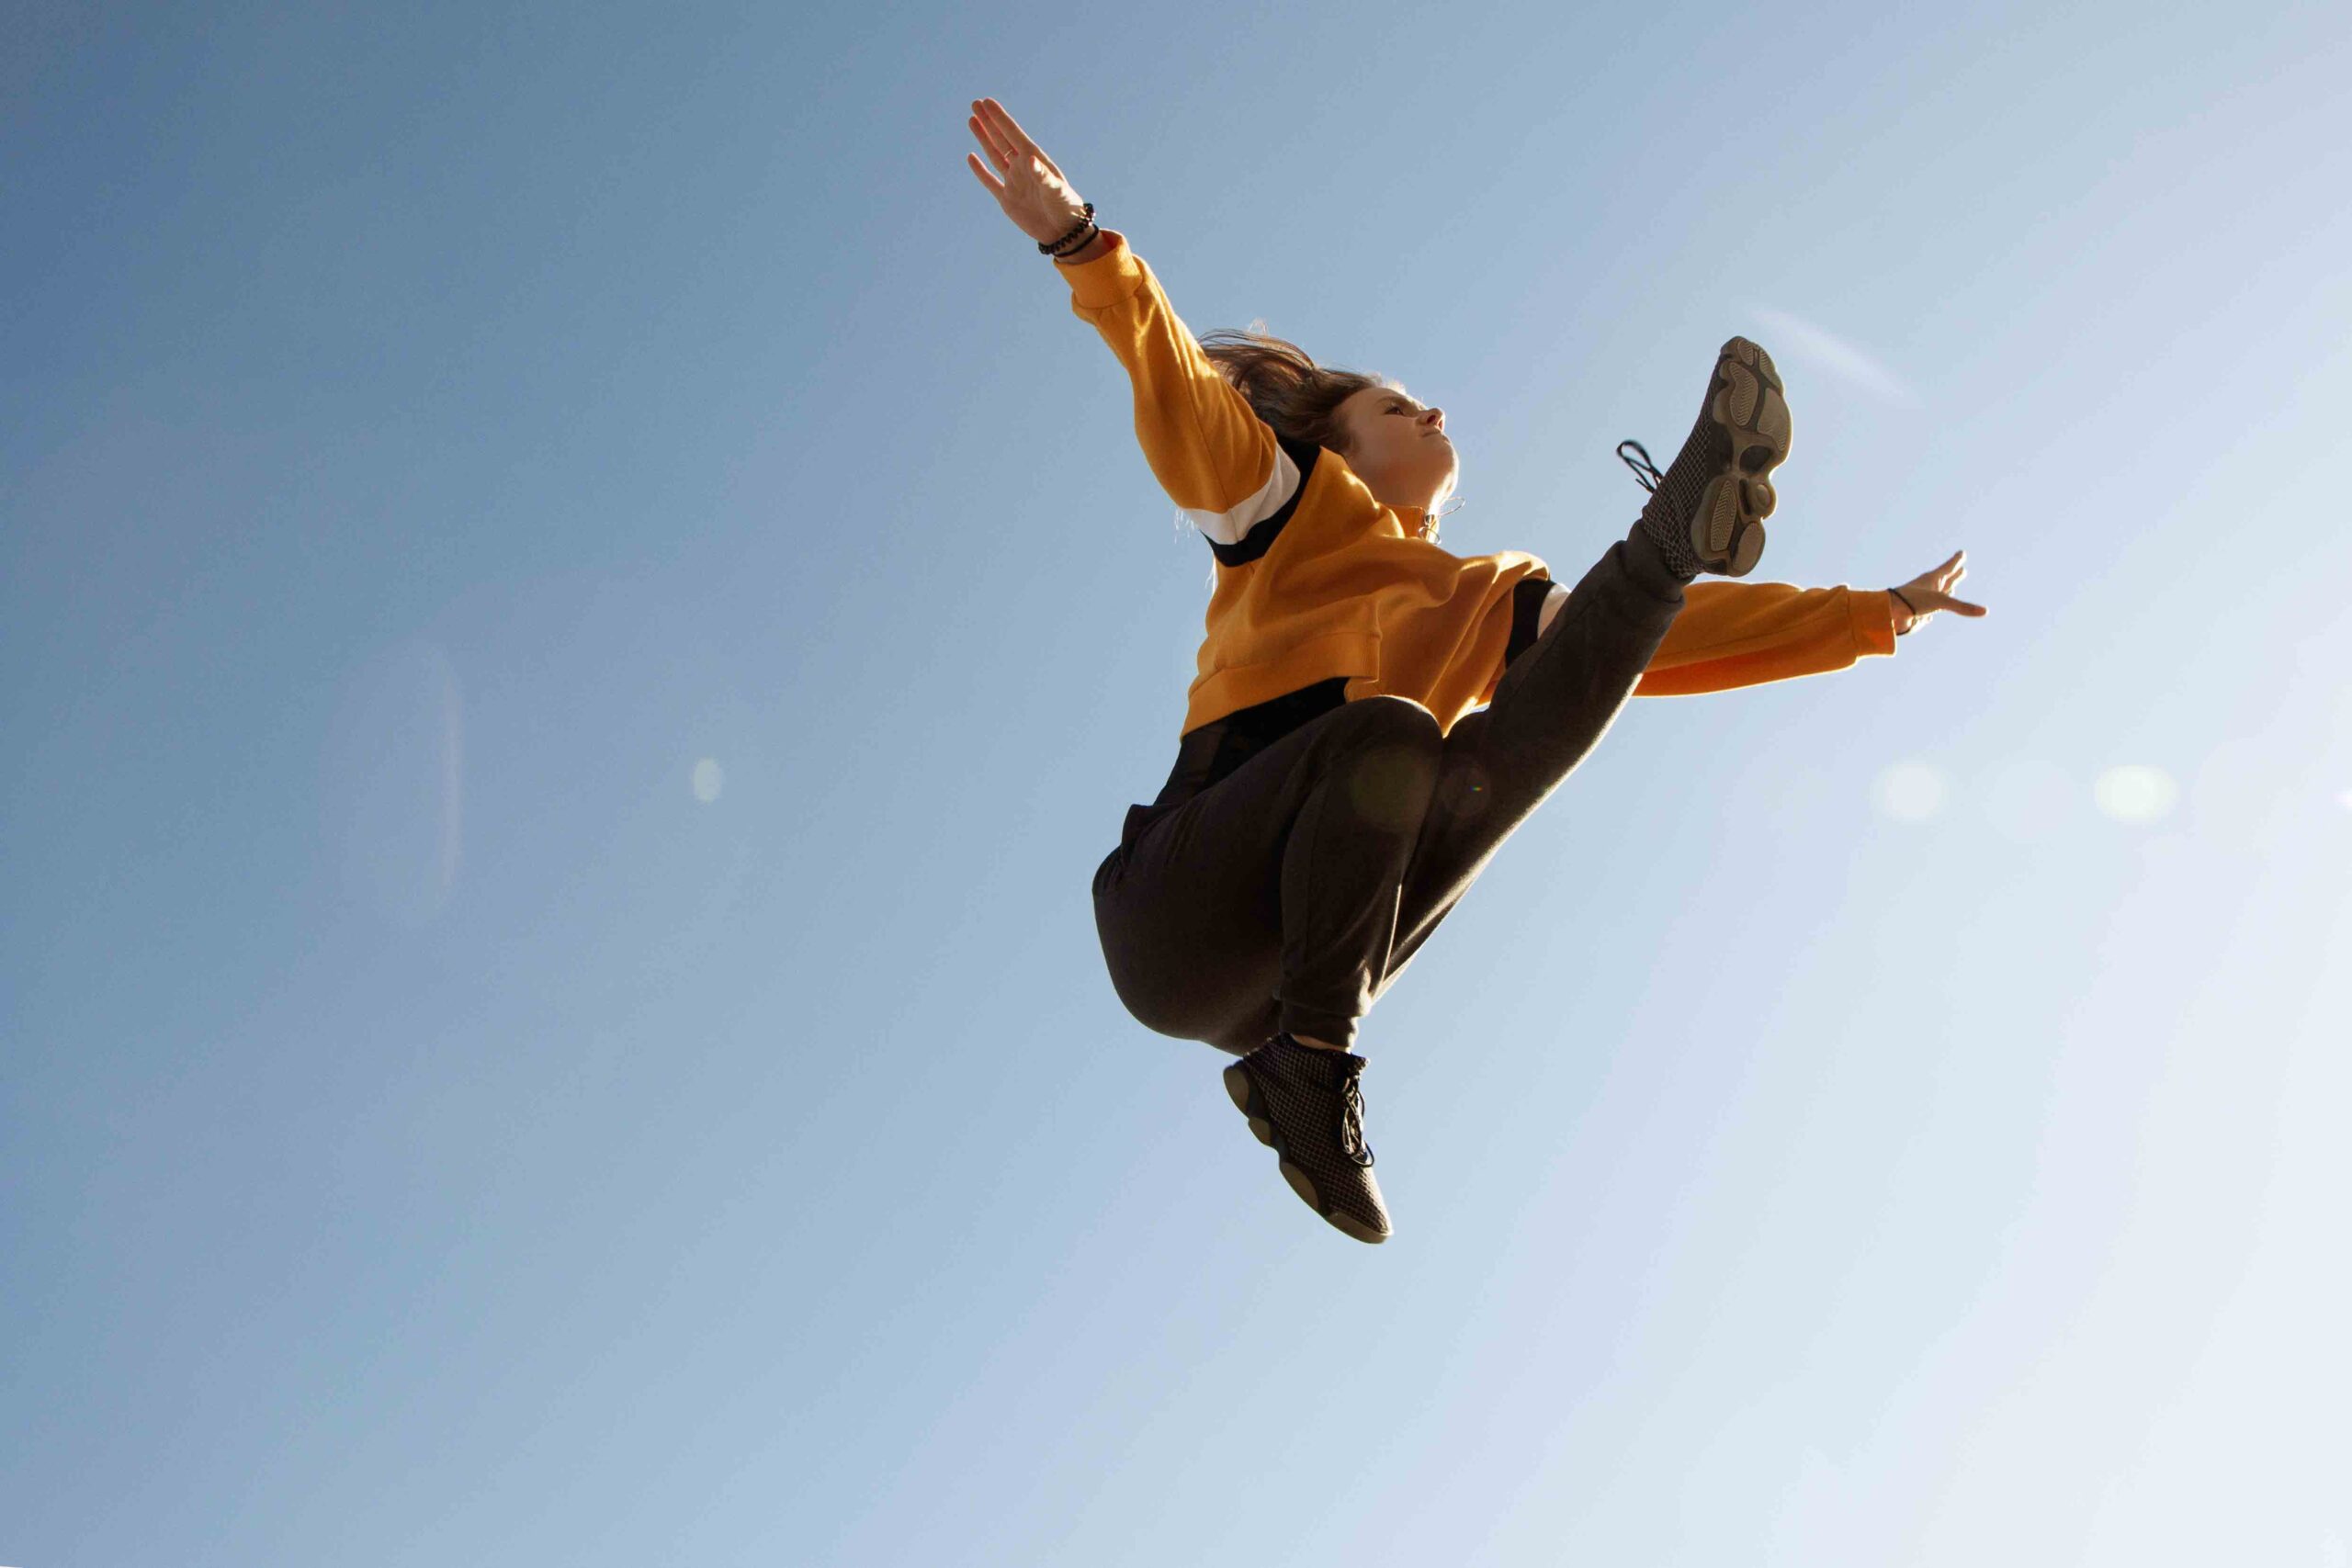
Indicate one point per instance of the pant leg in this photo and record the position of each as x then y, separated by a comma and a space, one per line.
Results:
1269, 900
1549, 711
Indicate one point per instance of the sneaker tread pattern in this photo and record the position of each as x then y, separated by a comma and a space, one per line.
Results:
1726, 526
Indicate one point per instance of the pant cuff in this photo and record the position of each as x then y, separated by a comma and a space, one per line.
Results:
1329, 1027
1645, 563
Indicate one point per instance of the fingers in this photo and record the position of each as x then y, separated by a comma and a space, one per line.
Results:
1006, 126
1007, 142
1927, 590
997, 149
1953, 571
993, 187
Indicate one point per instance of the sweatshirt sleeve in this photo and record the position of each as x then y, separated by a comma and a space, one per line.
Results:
1745, 634
1207, 448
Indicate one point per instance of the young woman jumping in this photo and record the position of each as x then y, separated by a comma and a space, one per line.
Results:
1335, 793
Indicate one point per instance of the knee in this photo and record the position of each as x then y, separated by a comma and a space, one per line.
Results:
1389, 768
1394, 721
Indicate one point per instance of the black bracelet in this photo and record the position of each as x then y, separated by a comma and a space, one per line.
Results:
1075, 244
1062, 246
1910, 606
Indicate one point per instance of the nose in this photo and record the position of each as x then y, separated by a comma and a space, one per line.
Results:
1434, 419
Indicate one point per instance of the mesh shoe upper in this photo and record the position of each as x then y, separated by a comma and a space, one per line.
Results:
1308, 1105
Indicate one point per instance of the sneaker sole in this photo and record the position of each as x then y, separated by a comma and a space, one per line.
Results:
1246, 1100
1727, 526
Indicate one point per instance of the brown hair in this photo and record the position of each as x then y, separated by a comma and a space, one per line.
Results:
1299, 399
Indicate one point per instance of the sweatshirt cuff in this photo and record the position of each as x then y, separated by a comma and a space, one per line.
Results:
1109, 277
1873, 616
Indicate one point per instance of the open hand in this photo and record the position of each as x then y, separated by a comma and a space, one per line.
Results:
1033, 192
1930, 592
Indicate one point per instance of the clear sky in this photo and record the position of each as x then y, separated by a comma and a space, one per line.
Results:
576, 612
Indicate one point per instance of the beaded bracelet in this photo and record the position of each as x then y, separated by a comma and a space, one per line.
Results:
1062, 247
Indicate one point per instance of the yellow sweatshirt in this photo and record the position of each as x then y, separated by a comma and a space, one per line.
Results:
1316, 579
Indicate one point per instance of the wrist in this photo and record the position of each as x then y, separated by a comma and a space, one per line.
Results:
1095, 245
1077, 237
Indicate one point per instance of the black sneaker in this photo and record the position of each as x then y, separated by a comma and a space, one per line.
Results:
1304, 1104
1707, 511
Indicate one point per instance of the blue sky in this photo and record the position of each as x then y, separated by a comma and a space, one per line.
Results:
576, 612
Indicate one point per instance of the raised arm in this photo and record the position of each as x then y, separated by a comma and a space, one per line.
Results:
1209, 450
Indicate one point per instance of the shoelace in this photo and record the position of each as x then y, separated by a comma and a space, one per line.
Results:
1644, 470
1352, 1142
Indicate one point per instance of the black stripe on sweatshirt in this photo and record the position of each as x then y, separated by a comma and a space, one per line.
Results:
1261, 539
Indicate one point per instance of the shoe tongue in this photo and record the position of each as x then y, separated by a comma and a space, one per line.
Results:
1325, 1068
1341, 1070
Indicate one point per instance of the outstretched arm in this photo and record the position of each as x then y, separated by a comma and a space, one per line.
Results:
1743, 634
1909, 605
1206, 445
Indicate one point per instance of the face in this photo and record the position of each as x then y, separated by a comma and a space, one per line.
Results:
1399, 447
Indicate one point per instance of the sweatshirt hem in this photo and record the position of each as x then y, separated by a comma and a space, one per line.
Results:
1238, 686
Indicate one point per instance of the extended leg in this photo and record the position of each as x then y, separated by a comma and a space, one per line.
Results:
1550, 710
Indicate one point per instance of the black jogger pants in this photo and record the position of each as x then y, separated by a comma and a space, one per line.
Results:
1290, 894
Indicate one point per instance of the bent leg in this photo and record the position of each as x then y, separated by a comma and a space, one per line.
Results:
1269, 900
